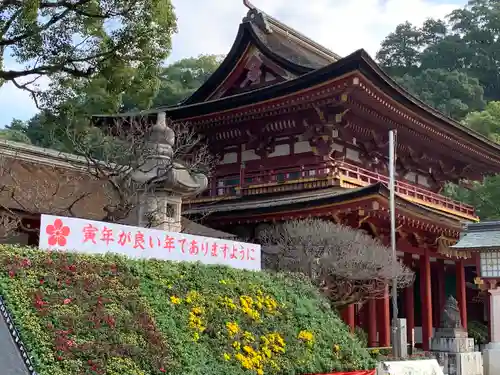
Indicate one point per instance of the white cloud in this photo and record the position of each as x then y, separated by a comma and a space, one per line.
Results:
210, 27
342, 26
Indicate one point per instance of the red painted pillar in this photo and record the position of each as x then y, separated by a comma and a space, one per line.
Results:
441, 297
371, 322
409, 302
461, 293
426, 299
384, 320
348, 315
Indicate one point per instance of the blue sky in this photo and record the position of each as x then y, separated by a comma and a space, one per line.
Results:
207, 27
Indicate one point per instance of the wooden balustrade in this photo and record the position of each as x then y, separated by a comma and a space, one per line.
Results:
365, 177
349, 174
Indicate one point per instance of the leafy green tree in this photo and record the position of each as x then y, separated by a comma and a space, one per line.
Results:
484, 196
486, 122
14, 135
182, 78
85, 98
468, 41
118, 41
399, 52
16, 132
452, 93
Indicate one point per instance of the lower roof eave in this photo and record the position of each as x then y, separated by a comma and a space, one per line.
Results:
372, 198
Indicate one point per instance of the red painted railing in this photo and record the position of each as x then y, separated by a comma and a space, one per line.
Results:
345, 172
365, 177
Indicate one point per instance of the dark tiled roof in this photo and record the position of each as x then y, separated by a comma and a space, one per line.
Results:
191, 227
480, 236
271, 200
289, 43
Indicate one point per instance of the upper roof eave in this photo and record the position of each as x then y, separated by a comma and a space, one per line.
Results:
246, 35
357, 61
278, 24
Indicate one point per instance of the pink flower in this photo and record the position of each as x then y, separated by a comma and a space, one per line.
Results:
57, 233
67, 301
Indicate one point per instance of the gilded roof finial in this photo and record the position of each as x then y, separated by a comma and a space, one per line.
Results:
248, 4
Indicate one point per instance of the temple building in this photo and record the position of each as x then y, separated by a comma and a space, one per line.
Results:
302, 132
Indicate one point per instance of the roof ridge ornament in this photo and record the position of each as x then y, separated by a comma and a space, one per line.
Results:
257, 17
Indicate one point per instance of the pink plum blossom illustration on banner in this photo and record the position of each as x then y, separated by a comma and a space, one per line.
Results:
57, 233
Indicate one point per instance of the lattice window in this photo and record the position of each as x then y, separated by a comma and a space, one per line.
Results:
490, 264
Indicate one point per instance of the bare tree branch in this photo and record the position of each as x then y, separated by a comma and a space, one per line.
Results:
348, 265
100, 182
116, 153
27, 188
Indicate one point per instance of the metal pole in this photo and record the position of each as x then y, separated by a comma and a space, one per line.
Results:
392, 207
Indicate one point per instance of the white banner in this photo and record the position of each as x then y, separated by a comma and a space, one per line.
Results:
96, 237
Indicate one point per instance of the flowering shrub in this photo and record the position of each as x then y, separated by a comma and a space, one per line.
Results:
109, 315
227, 321
81, 315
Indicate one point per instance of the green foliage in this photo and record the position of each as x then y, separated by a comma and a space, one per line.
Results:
468, 42
486, 122
484, 196
452, 93
117, 43
78, 99
478, 331
82, 314
14, 135
180, 79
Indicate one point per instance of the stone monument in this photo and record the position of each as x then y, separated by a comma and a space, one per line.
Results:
417, 367
451, 345
164, 180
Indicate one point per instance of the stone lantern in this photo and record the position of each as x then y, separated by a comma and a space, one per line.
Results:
165, 181
484, 240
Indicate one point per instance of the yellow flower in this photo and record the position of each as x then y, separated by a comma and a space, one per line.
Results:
246, 301
175, 300
232, 328
248, 349
336, 348
248, 336
306, 336
236, 345
228, 302
267, 352
196, 336
260, 372
253, 314
197, 310
227, 357
223, 282
192, 296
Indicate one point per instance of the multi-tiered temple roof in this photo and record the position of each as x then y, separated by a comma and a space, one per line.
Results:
276, 83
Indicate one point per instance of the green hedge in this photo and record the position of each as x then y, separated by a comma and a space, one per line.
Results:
111, 315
